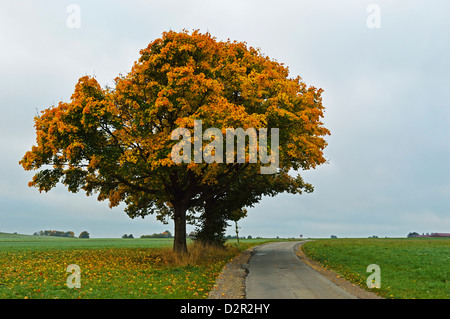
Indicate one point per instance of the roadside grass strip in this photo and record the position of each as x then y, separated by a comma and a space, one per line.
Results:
409, 268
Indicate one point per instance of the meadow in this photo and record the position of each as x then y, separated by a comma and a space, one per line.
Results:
413, 268
34, 267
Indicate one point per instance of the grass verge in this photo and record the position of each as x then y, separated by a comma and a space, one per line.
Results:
123, 268
409, 268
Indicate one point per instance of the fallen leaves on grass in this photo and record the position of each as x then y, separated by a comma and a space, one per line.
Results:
112, 272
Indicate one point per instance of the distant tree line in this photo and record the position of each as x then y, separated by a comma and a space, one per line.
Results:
59, 233
165, 234
236, 237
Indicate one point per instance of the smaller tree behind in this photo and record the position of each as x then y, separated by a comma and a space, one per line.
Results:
237, 215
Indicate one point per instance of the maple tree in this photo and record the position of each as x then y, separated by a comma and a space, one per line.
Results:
116, 142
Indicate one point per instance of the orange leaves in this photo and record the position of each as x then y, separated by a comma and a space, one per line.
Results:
86, 88
120, 138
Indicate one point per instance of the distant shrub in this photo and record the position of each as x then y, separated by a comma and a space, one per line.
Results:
84, 234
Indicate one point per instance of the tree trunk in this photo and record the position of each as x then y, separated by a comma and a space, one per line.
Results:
179, 242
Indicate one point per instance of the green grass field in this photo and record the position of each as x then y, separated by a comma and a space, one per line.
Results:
409, 268
35, 267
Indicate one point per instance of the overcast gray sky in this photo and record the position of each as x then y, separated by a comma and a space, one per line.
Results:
386, 93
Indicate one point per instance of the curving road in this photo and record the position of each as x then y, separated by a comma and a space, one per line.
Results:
275, 272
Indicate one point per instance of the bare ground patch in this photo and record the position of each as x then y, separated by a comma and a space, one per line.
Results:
231, 282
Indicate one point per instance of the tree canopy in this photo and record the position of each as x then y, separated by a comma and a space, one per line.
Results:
117, 142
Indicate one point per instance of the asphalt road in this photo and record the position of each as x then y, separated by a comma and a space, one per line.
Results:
275, 272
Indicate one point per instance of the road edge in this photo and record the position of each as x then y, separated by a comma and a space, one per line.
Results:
230, 284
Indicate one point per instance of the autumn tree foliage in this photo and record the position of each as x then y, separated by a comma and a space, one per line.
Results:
84, 234
116, 142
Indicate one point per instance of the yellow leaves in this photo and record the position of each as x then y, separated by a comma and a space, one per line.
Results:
123, 135
95, 161
110, 272
85, 88
115, 197
162, 102
72, 149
